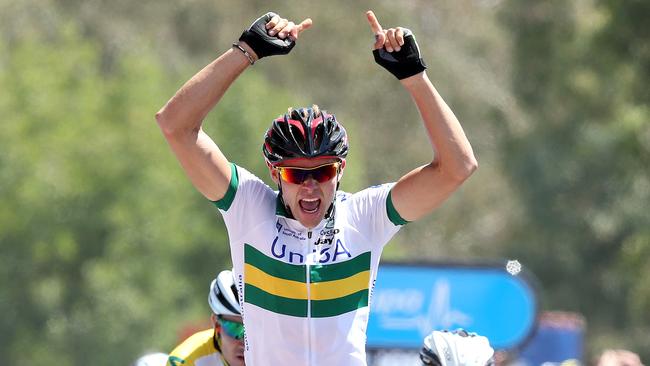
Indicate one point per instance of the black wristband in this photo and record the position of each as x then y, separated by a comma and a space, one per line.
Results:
403, 63
263, 44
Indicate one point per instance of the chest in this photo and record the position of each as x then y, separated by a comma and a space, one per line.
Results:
325, 245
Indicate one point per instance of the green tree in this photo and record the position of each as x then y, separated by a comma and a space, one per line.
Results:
582, 167
105, 248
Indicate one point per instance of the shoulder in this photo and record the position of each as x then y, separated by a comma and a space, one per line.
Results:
373, 205
196, 346
376, 193
244, 186
246, 180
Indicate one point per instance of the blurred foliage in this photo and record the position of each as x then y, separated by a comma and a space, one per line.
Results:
106, 250
581, 169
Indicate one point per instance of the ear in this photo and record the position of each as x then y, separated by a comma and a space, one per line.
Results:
341, 170
216, 324
274, 174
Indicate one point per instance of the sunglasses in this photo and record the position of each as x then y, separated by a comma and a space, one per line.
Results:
321, 173
231, 328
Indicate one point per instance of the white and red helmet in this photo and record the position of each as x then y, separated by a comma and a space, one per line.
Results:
305, 133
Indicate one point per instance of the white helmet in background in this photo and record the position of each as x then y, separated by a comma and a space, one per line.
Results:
223, 298
457, 348
152, 359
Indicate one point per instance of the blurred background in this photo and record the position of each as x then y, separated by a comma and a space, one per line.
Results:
106, 250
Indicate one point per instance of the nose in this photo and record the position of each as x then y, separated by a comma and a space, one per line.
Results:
310, 182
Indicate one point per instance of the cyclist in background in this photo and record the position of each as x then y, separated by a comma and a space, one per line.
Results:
223, 344
457, 348
306, 256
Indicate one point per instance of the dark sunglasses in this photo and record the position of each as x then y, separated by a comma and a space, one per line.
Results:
231, 328
321, 174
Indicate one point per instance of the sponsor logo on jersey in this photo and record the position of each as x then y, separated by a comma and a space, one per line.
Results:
328, 253
329, 232
294, 234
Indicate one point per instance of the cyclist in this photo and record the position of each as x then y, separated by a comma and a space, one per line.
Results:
223, 344
457, 348
305, 257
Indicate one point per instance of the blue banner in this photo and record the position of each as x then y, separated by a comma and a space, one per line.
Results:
410, 301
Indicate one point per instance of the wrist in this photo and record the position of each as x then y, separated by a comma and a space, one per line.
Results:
414, 80
246, 51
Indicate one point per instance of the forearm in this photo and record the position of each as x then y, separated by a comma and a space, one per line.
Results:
453, 152
186, 110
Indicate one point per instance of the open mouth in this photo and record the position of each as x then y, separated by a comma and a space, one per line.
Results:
310, 205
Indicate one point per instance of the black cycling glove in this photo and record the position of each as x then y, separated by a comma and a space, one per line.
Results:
258, 38
405, 62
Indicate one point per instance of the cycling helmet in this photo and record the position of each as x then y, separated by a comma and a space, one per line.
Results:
223, 298
457, 348
304, 133
152, 359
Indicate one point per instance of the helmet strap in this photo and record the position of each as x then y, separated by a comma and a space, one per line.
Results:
286, 207
330, 210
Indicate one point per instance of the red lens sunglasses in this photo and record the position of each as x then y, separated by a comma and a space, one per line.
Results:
321, 173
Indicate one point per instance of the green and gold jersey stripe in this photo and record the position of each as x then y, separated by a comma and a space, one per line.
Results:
294, 272
298, 290
274, 267
298, 308
283, 288
337, 271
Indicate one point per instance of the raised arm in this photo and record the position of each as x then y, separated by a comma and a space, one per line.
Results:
182, 117
423, 189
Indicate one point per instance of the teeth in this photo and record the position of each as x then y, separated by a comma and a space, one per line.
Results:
310, 199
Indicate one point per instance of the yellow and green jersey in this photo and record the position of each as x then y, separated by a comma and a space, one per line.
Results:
197, 350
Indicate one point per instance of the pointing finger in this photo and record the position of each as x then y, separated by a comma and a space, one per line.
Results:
305, 24
380, 36
374, 23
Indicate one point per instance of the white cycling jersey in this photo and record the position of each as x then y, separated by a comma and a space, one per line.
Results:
305, 293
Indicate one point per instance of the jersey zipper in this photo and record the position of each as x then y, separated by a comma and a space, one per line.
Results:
308, 277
